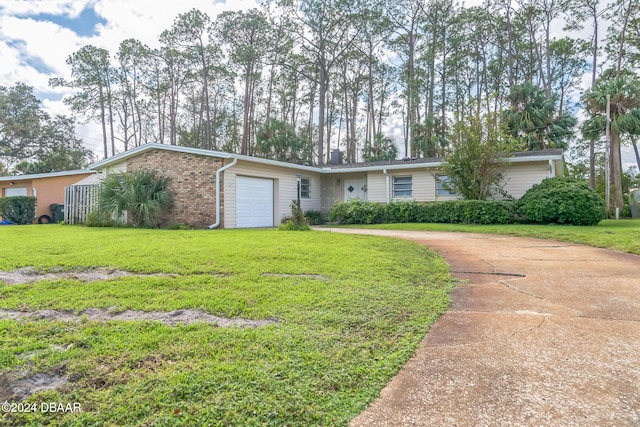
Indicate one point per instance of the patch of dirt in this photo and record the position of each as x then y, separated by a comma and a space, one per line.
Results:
171, 318
220, 274
303, 276
31, 274
19, 386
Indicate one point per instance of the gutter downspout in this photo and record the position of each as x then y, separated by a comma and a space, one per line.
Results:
218, 173
384, 171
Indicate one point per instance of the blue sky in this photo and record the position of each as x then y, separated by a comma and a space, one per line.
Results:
84, 25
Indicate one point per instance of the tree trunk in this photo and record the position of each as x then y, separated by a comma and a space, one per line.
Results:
103, 121
616, 171
270, 95
371, 114
623, 33
244, 148
322, 99
205, 94
592, 143
592, 164
411, 95
510, 61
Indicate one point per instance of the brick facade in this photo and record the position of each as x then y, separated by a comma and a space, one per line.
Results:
192, 184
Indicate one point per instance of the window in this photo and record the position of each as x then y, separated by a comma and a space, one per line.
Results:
15, 191
305, 188
441, 186
402, 186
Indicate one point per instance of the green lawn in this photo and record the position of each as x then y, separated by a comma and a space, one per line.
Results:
622, 235
343, 330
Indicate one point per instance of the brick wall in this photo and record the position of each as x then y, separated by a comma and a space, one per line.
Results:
192, 184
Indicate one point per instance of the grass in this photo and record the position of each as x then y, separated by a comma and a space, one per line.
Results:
342, 334
621, 235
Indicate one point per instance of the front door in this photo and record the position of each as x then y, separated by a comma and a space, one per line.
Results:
355, 189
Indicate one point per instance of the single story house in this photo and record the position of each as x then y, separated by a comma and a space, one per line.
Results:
217, 189
47, 188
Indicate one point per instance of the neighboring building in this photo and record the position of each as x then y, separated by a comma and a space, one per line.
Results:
47, 188
254, 192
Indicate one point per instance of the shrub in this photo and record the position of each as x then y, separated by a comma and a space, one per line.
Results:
297, 220
357, 212
18, 209
563, 201
467, 212
399, 212
99, 218
450, 211
314, 217
140, 194
293, 226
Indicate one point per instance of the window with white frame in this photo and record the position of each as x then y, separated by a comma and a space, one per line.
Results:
443, 186
402, 186
15, 191
305, 188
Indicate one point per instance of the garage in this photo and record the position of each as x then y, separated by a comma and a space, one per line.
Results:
254, 202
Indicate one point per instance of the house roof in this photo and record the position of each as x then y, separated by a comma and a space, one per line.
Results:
527, 156
45, 175
198, 151
434, 162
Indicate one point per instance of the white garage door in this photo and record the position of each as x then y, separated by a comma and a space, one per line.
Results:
254, 202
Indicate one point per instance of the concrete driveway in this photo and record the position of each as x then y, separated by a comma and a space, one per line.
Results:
540, 333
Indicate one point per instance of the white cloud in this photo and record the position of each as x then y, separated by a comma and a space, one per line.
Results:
32, 45
146, 19
33, 51
34, 7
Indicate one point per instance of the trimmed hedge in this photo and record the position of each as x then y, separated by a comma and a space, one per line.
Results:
450, 211
18, 209
562, 200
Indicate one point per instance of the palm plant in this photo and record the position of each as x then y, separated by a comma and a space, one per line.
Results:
623, 91
140, 194
277, 140
532, 119
382, 148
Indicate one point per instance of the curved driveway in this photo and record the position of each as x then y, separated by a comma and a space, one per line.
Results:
540, 333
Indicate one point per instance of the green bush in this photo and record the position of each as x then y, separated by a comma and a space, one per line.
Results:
467, 212
357, 212
450, 211
400, 212
98, 218
563, 201
140, 194
293, 226
314, 217
18, 209
297, 221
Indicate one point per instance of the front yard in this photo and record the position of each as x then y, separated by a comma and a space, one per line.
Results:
100, 319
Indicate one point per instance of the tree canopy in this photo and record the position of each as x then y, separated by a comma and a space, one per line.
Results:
476, 161
339, 73
31, 141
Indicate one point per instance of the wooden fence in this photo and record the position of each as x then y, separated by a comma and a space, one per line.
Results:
79, 200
